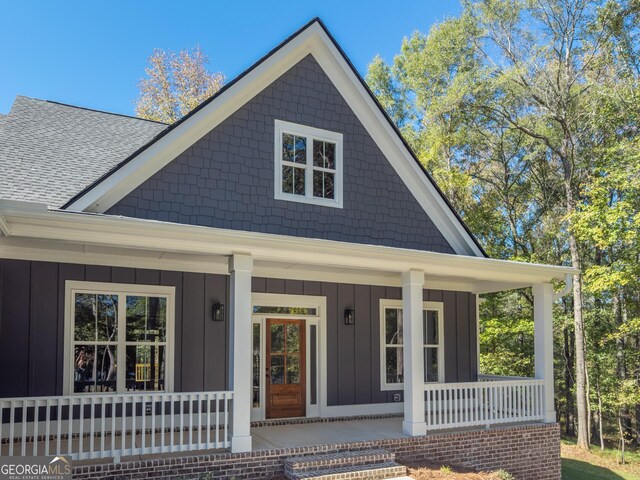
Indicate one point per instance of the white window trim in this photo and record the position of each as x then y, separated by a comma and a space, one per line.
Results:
72, 287
311, 134
386, 303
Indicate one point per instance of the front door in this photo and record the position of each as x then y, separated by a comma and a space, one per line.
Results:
286, 371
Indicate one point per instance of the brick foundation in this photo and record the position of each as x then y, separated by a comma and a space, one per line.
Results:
529, 452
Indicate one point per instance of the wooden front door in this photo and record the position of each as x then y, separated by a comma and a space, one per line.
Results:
286, 370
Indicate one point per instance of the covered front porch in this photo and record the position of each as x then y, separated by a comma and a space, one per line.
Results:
134, 426
265, 277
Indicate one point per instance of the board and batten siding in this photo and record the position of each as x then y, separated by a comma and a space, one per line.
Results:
353, 356
32, 328
32, 324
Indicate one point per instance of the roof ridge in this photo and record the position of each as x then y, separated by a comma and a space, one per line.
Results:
104, 111
91, 109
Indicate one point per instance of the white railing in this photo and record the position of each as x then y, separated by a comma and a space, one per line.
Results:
114, 425
453, 405
483, 377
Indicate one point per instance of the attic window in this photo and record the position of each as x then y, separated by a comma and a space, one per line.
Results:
308, 165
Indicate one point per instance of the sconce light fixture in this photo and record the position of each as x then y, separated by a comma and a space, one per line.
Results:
217, 314
349, 316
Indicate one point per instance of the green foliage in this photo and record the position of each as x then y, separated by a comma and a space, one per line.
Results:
506, 335
503, 475
527, 115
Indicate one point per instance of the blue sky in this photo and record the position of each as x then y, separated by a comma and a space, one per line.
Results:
92, 53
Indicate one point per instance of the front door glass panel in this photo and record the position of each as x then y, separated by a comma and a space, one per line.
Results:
286, 386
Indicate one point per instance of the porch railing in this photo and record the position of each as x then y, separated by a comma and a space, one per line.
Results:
488, 402
114, 425
483, 377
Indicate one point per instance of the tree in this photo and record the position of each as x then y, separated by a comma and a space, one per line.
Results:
176, 83
513, 106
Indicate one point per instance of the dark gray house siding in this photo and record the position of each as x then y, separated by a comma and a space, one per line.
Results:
226, 178
32, 324
32, 328
353, 351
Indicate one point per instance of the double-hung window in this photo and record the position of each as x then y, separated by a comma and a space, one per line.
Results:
392, 350
118, 338
308, 164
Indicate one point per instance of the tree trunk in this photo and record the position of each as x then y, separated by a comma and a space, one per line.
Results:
621, 430
568, 382
637, 345
620, 314
580, 354
600, 426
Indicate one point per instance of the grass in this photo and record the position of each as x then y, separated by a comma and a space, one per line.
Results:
595, 464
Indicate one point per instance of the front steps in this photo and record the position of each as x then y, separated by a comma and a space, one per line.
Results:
375, 464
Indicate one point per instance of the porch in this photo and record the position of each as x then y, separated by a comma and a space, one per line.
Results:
133, 425
215, 375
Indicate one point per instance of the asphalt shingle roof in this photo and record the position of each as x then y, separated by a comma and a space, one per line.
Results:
50, 151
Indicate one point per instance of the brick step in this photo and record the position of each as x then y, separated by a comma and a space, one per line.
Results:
337, 460
376, 471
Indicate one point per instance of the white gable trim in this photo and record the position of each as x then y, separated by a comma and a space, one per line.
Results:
315, 41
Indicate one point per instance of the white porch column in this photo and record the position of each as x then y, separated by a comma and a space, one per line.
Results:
543, 332
412, 341
240, 268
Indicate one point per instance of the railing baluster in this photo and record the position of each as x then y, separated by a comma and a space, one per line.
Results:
190, 419
143, 426
102, 421
456, 405
224, 404
24, 427
123, 422
163, 442
81, 429
36, 419
47, 426
11, 426
113, 425
92, 419
59, 426
70, 428
227, 436
172, 413
199, 403
208, 418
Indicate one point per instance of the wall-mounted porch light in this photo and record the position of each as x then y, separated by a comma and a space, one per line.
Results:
349, 316
217, 314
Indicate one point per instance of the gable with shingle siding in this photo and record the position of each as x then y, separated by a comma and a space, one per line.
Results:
226, 178
49, 151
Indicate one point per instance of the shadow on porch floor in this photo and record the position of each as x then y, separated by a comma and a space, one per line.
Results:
346, 431
302, 435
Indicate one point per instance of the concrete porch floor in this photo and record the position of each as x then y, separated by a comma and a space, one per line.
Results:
321, 433
344, 431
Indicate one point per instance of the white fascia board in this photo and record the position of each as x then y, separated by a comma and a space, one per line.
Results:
155, 235
315, 41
